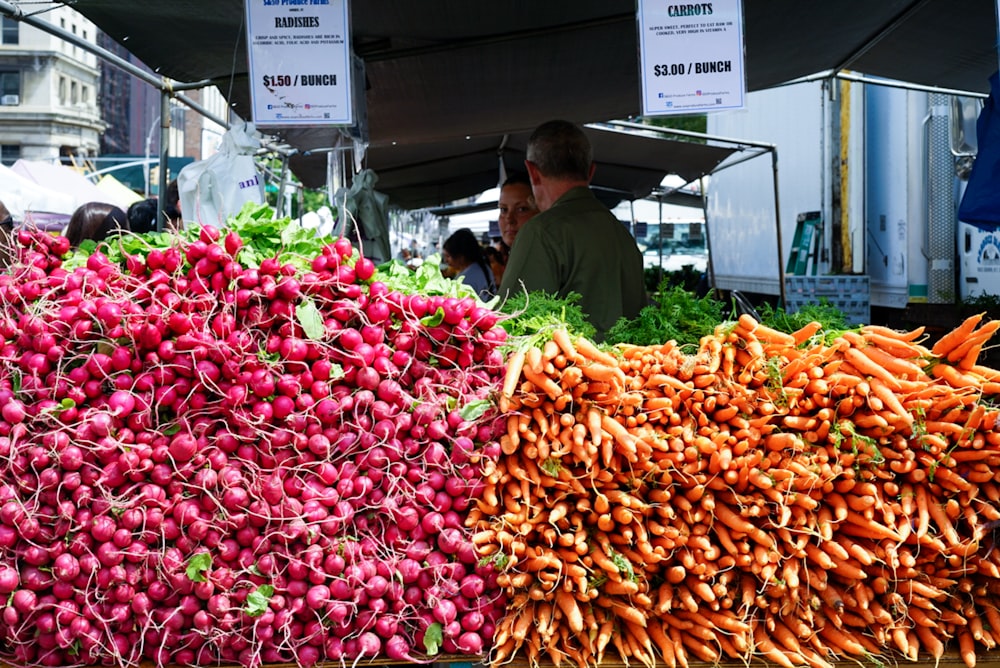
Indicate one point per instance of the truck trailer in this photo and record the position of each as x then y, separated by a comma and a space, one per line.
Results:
860, 206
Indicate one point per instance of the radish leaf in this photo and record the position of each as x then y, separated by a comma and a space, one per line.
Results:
433, 637
198, 565
259, 599
309, 317
474, 409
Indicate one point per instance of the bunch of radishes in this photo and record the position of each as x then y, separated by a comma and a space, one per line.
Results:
207, 463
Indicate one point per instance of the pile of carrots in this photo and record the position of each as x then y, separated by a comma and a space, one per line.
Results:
768, 496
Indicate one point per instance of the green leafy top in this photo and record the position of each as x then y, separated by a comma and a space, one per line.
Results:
259, 599
832, 319
536, 312
426, 279
433, 637
678, 315
310, 318
475, 409
198, 565
264, 236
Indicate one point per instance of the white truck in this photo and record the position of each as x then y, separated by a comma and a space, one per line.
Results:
877, 172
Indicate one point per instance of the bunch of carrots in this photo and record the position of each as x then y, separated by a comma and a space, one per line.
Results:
769, 496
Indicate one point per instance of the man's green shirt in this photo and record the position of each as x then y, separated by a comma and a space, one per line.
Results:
579, 246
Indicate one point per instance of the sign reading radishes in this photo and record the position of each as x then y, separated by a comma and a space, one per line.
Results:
691, 56
300, 62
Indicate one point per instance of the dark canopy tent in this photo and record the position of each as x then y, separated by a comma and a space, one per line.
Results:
629, 165
447, 80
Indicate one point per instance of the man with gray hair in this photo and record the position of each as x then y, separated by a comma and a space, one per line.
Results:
574, 244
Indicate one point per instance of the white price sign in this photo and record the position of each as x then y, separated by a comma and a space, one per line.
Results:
300, 62
691, 56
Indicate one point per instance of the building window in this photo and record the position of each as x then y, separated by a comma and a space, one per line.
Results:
74, 93
84, 95
177, 116
9, 154
62, 91
10, 31
10, 88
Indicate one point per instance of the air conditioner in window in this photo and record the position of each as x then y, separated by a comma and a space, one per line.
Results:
10, 100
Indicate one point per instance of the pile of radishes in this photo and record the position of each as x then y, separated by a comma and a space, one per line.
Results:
206, 463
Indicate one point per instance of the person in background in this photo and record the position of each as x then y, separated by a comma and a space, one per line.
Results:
516, 205
142, 216
172, 207
96, 221
6, 237
464, 256
574, 244
496, 259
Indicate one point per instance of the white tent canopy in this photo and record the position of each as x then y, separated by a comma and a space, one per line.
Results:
69, 181
22, 195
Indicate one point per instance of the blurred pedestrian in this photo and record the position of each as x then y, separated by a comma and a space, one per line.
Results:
497, 261
464, 256
6, 236
142, 216
96, 221
172, 207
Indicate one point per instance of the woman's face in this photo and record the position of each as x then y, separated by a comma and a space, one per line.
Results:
517, 206
456, 264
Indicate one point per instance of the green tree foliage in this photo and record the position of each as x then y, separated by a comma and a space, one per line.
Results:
696, 123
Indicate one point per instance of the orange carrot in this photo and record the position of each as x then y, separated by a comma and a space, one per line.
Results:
807, 331
586, 347
949, 341
544, 383
898, 366
890, 400
561, 337
976, 339
869, 367
515, 363
571, 610
620, 435
966, 647
910, 336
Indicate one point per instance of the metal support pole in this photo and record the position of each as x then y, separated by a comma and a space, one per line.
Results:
777, 223
164, 156
708, 236
147, 167
282, 184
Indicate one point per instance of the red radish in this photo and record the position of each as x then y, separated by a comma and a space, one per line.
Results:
201, 417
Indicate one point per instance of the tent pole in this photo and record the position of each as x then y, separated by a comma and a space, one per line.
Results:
282, 184
683, 133
659, 234
161, 194
777, 223
708, 236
